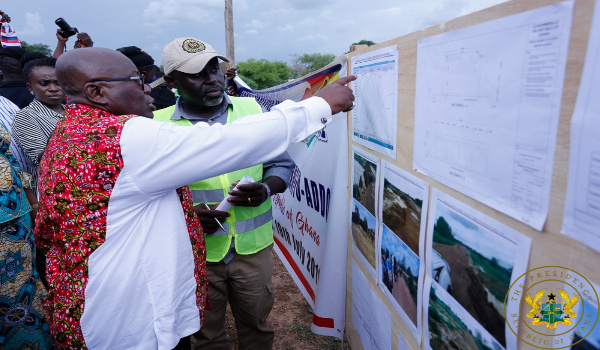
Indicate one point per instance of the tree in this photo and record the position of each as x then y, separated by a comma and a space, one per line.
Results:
253, 85
442, 232
365, 42
307, 63
264, 73
43, 48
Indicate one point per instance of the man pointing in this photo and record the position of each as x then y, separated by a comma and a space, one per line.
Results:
114, 225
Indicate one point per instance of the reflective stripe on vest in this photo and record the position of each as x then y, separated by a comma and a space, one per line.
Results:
251, 225
246, 225
207, 196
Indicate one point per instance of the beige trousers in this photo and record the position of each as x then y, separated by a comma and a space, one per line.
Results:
246, 283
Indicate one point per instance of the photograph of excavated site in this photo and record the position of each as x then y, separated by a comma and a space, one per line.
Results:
480, 264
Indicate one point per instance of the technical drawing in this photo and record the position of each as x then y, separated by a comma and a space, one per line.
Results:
374, 118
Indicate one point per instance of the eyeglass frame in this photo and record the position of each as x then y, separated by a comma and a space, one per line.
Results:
140, 79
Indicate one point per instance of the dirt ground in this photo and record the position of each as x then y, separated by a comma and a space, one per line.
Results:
365, 244
291, 317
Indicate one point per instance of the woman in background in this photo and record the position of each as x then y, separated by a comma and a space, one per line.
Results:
34, 124
22, 321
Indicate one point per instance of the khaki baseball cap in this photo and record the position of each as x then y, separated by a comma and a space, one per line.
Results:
188, 55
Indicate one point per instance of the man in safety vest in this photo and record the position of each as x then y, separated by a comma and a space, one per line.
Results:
239, 261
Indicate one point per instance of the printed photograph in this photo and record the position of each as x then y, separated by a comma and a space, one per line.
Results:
364, 226
400, 272
402, 213
364, 182
451, 327
474, 265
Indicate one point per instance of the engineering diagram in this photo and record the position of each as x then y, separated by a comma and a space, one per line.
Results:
374, 119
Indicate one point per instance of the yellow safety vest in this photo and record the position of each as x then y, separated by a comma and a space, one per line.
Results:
251, 226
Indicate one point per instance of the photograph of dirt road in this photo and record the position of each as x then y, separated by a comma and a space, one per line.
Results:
402, 214
450, 327
479, 263
364, 181
401, 199
400, 272
363, 232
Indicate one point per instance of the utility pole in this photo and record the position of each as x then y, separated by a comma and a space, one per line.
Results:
229, 47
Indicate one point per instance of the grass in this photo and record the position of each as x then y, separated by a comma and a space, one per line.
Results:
301, 326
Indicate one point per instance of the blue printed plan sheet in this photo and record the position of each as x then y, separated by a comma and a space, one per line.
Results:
487, 107
375, 115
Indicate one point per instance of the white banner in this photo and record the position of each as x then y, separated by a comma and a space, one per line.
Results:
310, 225
310, 220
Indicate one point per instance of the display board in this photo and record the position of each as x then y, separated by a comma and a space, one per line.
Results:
447, 220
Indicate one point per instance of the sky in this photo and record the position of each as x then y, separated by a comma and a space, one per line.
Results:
269, 29
400, 250
364, 214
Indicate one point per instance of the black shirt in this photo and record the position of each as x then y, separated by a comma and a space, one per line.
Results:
163, 97
16, 92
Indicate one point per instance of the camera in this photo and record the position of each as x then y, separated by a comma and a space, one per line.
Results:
67, 30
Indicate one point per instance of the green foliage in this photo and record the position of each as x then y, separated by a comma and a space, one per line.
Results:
356, 191
359, 159
43, 48
413, 285
365, 42
310, 62
264, 73
253, 85
442, 321
494, 277
419, 202
442, 232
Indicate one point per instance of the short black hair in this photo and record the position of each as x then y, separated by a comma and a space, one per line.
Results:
28, 56
13, 51
38, 62
138, 56
10, 65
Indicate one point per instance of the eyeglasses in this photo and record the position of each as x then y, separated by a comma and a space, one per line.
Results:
139, 79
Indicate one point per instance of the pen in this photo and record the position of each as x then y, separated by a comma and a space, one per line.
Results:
217, 220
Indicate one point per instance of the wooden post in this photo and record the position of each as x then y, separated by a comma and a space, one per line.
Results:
229, 47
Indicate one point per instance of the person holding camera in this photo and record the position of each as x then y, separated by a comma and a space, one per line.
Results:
83, 40
64, 33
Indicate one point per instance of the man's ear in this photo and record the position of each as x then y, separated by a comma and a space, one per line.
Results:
171, 83
94, 92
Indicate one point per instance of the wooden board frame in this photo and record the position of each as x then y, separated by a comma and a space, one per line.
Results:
548, 243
